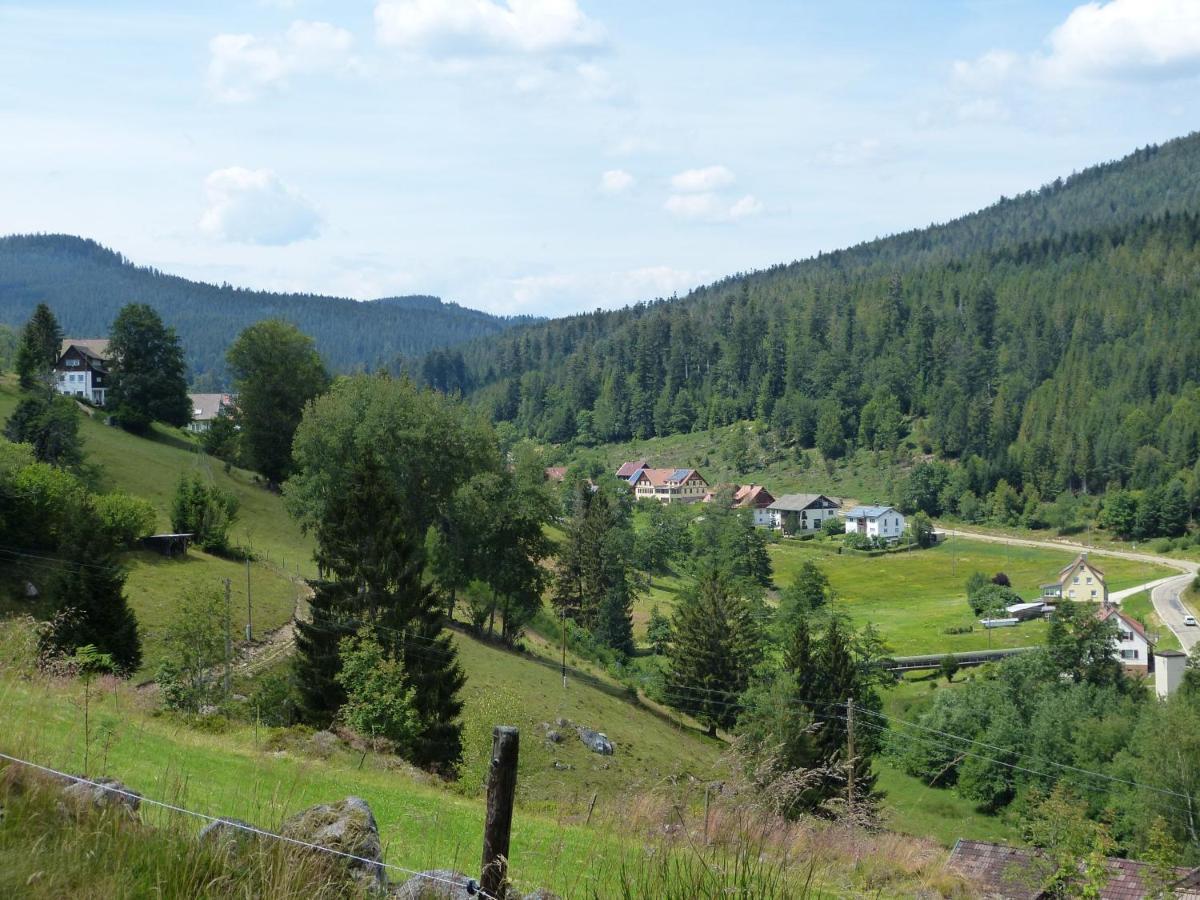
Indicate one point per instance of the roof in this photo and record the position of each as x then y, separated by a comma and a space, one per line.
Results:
753, 495
1019, 874
797, 502
205, 407
1081, 558
556, 473
664, 477
631, 468
868, 512
1022, 607
97, 348
1105, 613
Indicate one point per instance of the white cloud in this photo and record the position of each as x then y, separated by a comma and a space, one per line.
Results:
844, 154
745, 207
242, 66
711, 206
1149, 39
561, 293
710, 178
616, 181
474, 27
252, 206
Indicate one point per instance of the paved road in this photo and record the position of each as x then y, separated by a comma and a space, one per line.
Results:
1164, 592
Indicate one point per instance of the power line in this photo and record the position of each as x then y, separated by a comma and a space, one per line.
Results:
242, 826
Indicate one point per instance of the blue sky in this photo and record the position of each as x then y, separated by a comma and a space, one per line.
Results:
549, 156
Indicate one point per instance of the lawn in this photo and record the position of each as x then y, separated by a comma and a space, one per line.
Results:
914, 597
155, 585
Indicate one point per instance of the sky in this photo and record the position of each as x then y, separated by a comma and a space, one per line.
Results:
553, 156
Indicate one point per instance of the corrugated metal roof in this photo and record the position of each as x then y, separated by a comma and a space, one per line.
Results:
869, 512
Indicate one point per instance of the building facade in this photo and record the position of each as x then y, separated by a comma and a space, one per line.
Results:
82, 370
669, 485
802, 513
1082, 580
883, 522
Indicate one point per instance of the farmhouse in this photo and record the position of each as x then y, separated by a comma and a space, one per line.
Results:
668, 485
883, 522
802, 513
1078, 580
757, 498
82, 369
205, 408
1133, 648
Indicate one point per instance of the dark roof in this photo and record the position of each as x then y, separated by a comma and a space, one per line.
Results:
798, 502
1017, 874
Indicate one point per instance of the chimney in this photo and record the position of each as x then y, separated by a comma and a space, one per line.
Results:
1168, 672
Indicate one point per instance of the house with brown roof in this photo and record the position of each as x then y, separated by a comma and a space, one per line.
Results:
629, 469
668, 485
758, 499
1133, 646
1078, 580
82, 369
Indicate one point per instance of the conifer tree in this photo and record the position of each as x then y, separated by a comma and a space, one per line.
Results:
148, 373
38, 350
715, 645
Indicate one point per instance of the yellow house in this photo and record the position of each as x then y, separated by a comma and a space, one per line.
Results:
1082, 580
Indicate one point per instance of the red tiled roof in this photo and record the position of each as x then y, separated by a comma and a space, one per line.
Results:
752, 495
1106, 612
1012, 872
627, 469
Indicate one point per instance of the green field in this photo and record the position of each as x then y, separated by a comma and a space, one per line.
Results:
913, 597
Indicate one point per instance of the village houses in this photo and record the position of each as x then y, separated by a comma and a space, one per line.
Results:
205, 409
1078, 580
669, 485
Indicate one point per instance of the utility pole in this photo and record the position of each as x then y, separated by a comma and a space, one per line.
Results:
249, 631
228, 641
850, 757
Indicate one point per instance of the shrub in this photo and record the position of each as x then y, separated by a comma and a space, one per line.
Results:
125, 519
204, 511
379, 702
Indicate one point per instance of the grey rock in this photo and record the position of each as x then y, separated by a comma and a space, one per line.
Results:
31, 591
347, 826
596, 741
554, 737
436, 884
562, 723
540, 894
105, 794
227, 833
561, 765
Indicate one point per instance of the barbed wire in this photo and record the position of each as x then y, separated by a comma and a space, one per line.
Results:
471, 887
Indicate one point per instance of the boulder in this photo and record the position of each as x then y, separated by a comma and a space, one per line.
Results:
596, 741
105, 794
436, 884
227, 834
347, 826
31, 591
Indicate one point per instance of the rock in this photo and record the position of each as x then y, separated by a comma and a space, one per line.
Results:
596, 741
561, 765
562, 723
540, 894
105, 794
348, 827
554, 737
227, 834
31, 591
437, 884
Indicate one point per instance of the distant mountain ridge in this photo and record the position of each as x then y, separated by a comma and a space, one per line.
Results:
86, 284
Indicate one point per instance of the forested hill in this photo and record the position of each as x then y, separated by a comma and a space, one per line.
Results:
86, 284
1061, 326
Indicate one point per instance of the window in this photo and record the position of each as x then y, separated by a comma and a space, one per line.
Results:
1089, 579
1129, 654
1076, 579
72, 362
1125, 635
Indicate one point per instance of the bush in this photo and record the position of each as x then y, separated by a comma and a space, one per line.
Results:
832, 527
204, 511
125, 519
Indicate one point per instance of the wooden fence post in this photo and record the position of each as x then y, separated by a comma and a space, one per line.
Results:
497, 828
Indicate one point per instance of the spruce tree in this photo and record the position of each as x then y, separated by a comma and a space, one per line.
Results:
148, 374
38, 351
715, 645
317, 662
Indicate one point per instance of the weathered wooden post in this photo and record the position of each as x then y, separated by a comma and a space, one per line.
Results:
497, 828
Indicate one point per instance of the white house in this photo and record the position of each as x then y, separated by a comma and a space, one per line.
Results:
758, 500
205, 408
82, 370
802, 513
883, 522
1133, 648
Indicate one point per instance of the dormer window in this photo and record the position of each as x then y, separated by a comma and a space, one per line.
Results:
72, 362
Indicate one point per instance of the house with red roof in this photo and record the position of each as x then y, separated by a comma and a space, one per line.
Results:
1133, 646
756, 498
668, 485
629, 469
